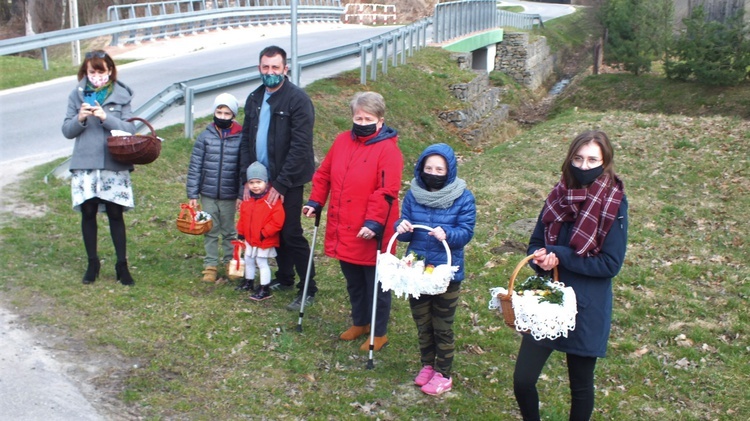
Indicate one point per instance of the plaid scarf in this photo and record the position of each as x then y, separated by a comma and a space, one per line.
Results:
593, 209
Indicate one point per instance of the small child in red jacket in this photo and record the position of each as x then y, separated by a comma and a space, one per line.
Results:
260, 226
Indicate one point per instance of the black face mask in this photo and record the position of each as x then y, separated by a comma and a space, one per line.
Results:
586, 177
221, 123
432, 181
364, 131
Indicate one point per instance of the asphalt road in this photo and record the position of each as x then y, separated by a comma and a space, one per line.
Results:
31, 116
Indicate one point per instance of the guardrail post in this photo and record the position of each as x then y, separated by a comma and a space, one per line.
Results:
374, 62
384, 64
399, 36
189, 97
45, 61
363, 65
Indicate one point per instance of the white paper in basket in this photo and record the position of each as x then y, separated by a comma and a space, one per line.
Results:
119, 133
542, 320
406, 281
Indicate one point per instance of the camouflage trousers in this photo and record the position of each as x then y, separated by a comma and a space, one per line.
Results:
434, 316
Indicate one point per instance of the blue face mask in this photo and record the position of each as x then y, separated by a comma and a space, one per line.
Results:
271, 81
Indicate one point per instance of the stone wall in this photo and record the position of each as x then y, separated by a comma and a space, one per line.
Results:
484, 110
528, 63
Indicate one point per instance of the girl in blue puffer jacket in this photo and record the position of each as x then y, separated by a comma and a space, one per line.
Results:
437, 199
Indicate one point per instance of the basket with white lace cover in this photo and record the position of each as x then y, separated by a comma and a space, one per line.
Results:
409, 276
542, 308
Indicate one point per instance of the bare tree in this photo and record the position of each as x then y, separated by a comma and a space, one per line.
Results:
27, 14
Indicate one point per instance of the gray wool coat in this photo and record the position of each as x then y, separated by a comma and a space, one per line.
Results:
90, 149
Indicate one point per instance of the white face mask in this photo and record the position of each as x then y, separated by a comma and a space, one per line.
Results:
98, 80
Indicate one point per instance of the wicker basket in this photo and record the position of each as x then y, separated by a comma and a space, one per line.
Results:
506, 304
186, 222
135, 149
394, 276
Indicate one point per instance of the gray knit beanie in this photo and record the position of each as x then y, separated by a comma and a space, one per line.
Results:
257, 171
228, 100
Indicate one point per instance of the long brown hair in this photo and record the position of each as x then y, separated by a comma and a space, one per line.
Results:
99, 60
601, 139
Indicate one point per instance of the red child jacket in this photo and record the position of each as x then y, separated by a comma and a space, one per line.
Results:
260, 223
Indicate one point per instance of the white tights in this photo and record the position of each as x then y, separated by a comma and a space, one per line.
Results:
264, 268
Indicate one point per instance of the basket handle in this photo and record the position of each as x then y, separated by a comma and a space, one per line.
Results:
186, 207
150, 127
424, 227
518, 268
238, 246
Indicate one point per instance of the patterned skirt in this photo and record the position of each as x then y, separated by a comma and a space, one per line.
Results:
112, 186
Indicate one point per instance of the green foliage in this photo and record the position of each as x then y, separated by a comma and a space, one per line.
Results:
710, 52
638, 32
653, 94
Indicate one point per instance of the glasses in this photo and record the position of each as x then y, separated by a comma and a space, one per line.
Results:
97, 54
593, 162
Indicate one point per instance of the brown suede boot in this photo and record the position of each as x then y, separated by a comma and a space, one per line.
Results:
355, 332
380, 341
209, 274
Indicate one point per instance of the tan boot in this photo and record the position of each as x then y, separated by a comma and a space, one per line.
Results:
209, 274
380, 341
355, 332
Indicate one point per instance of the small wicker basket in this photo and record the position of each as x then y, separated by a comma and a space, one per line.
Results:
506, 304
135, 149
186, 222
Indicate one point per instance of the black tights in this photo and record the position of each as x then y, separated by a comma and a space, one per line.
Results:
531, 360
89, 209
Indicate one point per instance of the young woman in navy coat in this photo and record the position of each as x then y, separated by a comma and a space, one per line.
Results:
582, 230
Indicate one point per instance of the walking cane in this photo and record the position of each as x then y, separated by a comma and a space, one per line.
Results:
370, 363
307, 275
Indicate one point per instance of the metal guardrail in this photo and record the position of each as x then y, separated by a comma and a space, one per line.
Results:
519, 20
458, 18
140, 10
394, 45
270, 14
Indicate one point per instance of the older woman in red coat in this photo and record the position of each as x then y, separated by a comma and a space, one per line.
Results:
362, 175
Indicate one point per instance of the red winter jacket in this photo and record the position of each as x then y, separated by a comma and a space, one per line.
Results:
359, 174
260, 223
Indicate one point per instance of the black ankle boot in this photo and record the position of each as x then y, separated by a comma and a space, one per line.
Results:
92, 271
123, 274
246, 285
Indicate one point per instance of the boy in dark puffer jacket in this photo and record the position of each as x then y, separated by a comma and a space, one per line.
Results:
213, 176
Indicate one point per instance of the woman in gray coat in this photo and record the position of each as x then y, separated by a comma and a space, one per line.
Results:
100, 103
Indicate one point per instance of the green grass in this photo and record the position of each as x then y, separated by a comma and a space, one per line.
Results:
679, 344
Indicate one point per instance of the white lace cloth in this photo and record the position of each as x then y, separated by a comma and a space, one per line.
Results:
541, 320
394, 275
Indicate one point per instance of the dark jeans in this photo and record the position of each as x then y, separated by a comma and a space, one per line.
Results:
294, 250
360, 281
531, 360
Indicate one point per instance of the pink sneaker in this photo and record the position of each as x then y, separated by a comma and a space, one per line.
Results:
437, 385
424, 376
